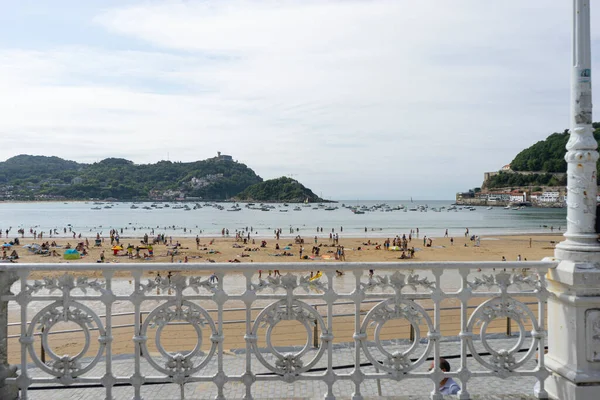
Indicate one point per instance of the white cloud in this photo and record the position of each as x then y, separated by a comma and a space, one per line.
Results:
359, 99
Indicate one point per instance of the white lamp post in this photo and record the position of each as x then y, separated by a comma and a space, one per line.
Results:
574, 308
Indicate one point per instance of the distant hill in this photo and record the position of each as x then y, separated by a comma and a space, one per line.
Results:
24, 167
540, 163
27, 177
281, 189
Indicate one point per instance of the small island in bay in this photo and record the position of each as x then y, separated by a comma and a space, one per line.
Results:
282, 189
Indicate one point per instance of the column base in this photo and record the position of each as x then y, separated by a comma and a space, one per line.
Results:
578, 251
560, 388
8, 392
580, 242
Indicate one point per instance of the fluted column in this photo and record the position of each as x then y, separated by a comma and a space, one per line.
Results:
574, 308
581, 154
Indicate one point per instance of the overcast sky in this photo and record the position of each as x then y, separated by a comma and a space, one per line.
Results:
368, 99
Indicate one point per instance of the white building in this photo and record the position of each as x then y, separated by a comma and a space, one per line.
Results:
498, 197
549, 197
518, 197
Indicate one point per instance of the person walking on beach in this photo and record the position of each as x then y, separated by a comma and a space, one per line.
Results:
446, 234
300, 252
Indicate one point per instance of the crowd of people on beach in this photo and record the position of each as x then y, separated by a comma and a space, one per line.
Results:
326, 244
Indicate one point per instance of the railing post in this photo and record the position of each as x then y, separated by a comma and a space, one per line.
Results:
574, 308
7, 392
508, 327
412, 333
316, 333
141, 323
42, 349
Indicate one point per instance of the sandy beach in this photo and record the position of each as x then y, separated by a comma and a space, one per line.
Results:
227, 249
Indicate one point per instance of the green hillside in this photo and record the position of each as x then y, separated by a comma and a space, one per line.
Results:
281, 189
28, 177
545, 157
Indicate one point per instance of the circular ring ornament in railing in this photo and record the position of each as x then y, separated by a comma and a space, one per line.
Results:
395, 309
178, 365
66, 366
499, 307
288, 365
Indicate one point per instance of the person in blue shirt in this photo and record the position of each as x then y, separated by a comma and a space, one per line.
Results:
447, 385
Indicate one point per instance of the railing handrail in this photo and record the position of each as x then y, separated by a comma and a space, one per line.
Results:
330, 266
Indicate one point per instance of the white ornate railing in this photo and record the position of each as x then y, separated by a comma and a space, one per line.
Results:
500, 288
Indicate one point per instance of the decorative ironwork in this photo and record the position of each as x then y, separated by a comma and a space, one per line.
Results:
393, 309
397, 288
503, 361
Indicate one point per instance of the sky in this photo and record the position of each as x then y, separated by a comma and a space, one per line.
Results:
356, 99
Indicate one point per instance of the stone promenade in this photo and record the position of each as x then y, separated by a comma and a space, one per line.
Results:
234, 362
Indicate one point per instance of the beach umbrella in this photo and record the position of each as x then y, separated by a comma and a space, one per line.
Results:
117, 248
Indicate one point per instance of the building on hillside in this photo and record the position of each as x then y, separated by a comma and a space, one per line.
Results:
205, 180
505, 168
223, 157
534, 196
77, 180
550, 197
496, 197
516, 196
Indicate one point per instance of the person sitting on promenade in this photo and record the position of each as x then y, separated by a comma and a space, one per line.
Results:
447, 385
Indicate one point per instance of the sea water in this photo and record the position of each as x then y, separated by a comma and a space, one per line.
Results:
210, 221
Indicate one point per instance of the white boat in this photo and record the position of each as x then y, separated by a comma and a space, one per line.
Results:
489, 208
